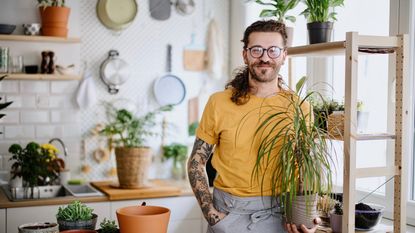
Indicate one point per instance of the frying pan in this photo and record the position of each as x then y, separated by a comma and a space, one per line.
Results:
160, 9
117, 14
114, 71
169, 89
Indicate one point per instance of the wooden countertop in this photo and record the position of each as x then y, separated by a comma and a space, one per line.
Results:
183, 186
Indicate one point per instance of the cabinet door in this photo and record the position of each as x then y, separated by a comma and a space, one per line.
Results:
2, 220
19, 216
185, 214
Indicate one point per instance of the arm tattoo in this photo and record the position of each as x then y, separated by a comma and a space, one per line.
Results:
198, 178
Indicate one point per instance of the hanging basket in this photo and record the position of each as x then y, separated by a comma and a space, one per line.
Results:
132, 166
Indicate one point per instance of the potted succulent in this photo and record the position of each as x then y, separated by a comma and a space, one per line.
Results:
336, 218
177, 152
5, 104
127, 133
279, 9
303, 165
318, 14
108, 226
54, 16
76, 216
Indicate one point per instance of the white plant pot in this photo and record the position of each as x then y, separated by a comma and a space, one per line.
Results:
16, 182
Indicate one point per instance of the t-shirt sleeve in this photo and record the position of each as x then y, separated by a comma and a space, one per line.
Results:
207, 130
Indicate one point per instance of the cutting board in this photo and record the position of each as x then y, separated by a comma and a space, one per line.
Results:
156, 188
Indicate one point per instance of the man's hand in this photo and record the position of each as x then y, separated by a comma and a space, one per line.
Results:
216, 217
292, 228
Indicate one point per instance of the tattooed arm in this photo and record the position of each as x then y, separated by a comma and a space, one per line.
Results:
196, 168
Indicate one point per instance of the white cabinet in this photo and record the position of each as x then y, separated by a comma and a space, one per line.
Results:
18, 216
186, 216
2, 220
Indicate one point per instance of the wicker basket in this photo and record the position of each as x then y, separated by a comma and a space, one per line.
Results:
132, 166
335, 124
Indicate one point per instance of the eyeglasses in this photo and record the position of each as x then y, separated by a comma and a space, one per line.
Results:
257, 51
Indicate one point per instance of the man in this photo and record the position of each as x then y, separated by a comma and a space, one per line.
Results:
227, 130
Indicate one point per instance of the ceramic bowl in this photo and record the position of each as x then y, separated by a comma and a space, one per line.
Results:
7, 28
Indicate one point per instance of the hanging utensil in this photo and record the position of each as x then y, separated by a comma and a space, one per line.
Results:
114, 71
160, 9
117, 14
185, 7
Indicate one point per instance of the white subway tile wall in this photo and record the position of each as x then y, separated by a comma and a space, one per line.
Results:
41, 110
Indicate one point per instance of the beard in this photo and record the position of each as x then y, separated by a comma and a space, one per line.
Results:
264, 74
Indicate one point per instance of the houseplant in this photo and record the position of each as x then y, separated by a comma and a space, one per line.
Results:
54, 16
279, 9
295, 153
38, 165
319, 14
177, 152
127, 133
5, 104
108, 226
336, 218
76, 215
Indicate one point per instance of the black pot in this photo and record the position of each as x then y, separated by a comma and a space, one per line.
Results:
319, 32
80, 224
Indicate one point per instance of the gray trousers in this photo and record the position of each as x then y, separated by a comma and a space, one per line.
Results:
246, 214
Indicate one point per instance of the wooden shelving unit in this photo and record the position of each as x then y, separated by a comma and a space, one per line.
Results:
51, 77
48, 39
351, 48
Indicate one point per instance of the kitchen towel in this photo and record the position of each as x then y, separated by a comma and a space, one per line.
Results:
215, 51
86, 95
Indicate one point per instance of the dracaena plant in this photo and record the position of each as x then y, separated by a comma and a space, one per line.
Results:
293, 150
5, 104
125, 129
321, 10
278, 9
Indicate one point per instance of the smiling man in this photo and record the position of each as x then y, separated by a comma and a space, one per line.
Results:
240, 203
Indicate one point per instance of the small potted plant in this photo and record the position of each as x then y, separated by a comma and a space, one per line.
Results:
54, 16
177, 152
127, 133
279, 10
336, 217
76, 216
318, 14
108, 226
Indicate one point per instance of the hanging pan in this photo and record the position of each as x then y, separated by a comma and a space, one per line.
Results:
169, 89
114, 72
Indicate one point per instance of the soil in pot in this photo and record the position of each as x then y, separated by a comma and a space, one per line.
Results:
44, 227
367, 216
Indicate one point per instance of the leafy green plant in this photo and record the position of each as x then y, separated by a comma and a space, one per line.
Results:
293, 150
3, 105
338, 208
46, 3
192, 128
36, 164
75, 211
127, 130
279, 9
108, 226
319, 10
176, 151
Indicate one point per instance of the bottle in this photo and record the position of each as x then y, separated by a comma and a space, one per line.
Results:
44, 64
51, 66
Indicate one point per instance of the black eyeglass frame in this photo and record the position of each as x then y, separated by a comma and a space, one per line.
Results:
264, 49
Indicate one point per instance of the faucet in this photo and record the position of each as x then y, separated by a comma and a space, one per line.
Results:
65, 150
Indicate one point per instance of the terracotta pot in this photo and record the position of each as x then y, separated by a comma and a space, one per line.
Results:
42, 227
133, 219
132, 166
54, 21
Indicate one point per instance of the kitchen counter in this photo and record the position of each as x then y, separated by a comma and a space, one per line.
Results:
183, 186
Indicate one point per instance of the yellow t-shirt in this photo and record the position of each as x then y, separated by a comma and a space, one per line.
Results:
232, 129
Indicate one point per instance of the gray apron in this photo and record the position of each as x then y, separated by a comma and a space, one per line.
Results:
246, 214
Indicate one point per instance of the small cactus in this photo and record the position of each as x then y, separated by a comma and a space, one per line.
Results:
338, 208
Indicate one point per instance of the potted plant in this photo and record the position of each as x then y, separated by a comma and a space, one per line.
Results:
76, 216
336, 218
39, 227
127, 133
279, 9
5, 104
54, 16
294, 152
38, 165
108, 226
178, 152
318, 14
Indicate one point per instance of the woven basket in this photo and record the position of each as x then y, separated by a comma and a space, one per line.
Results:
335, 124
132, 166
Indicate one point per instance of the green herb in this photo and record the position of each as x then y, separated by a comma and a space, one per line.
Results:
319, 10
279, 9
192, 128
75, 211
108, 226
176, 151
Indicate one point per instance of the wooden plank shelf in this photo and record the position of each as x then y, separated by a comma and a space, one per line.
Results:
51, 77
366, 137
24, 38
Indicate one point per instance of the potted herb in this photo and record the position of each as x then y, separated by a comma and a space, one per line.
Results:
54, 16
318, 14
108, 226
279, 10
177, 152
5, 104
76, 216
127, 133
336, 218
295, 153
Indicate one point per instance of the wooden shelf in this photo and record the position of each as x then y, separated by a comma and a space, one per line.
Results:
367, 137
52, 77
39, 39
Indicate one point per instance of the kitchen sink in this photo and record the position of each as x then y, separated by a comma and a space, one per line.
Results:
50, 191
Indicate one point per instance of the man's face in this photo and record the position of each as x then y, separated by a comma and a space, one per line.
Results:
264, 68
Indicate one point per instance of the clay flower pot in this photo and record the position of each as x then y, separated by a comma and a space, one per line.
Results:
54, 21
133, 219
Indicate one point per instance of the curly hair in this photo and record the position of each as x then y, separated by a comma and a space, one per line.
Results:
240, 84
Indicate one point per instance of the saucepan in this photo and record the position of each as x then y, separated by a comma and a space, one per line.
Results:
114, 72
